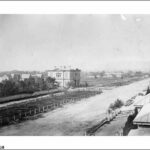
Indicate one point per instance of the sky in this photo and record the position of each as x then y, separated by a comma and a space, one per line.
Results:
88, 42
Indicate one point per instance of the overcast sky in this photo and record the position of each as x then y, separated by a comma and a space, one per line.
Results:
89, 42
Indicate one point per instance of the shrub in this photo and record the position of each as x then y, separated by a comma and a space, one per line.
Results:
71, 84
117, 104
85, 84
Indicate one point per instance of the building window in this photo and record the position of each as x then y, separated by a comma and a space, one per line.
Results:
58, 75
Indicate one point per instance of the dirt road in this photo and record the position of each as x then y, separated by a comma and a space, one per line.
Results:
73, 119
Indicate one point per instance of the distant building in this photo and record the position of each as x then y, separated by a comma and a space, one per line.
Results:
98, 76
4, 77
91, 76
118, 74
39, 75
113, 74
12, 75
108, 75
64, 76
25, 76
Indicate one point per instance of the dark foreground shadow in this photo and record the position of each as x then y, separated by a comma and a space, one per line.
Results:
129, 124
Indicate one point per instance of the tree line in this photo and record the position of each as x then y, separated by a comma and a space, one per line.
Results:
30, 85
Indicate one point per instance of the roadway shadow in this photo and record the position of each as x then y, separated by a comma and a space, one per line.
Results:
129, 124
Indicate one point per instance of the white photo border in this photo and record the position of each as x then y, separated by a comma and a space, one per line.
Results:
74, 7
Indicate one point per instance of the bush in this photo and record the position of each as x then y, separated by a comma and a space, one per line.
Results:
117, 104
71, 84
85, 84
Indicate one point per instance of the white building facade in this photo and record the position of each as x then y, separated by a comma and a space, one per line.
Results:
65, 76
3, 78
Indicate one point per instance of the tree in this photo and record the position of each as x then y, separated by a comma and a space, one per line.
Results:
102, 73
9, 88
86, 84
50, 83
117, 104
71, 84
12, 86
22, 86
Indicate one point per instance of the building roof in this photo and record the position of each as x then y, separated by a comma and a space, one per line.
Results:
144, 100
140, 131
143, 117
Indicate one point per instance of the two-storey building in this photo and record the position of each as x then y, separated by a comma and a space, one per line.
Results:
65, 76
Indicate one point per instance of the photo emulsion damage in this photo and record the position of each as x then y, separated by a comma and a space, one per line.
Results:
74, 75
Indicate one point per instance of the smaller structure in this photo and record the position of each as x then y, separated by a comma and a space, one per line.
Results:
39, 75
143, 117
4, 77
143, 101
12, 75
25, 76
118, 74
143, 108
91, 76
108, 75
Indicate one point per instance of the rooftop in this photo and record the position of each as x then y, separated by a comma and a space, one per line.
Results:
143, 101
143, 117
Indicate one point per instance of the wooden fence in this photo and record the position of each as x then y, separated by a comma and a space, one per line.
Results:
22, 114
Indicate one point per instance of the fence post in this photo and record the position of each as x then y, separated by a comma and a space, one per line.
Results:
58, 105
30, 111
53, 105
14, 118
45, 108
20, 115
35, 111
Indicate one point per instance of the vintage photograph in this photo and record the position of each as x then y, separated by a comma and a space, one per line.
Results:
74, 75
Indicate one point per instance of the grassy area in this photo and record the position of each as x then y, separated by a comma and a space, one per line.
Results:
110, 82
